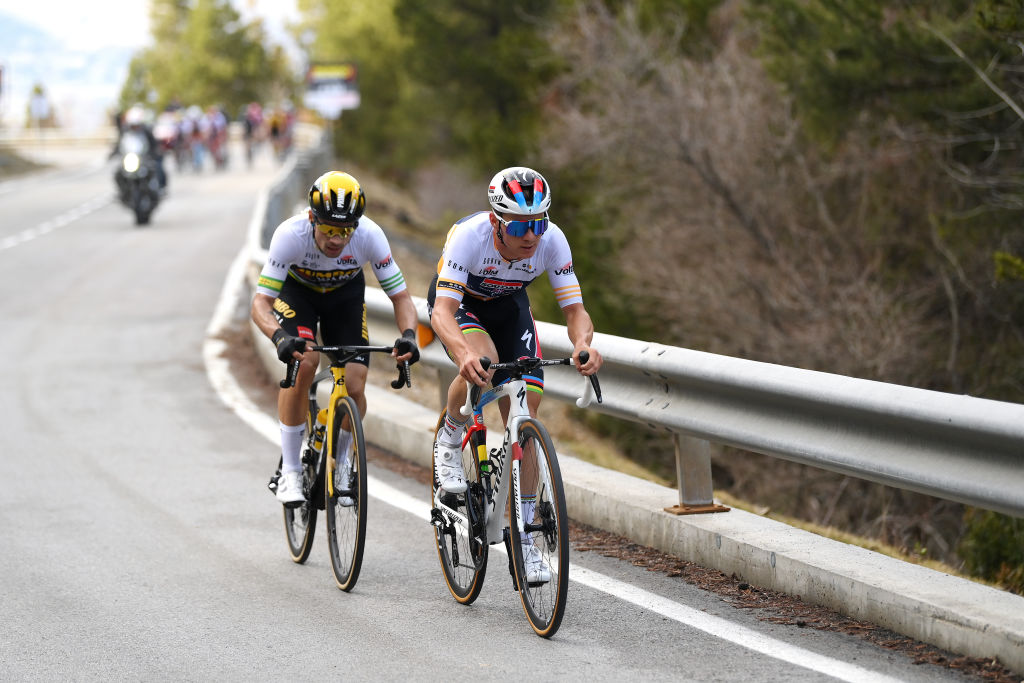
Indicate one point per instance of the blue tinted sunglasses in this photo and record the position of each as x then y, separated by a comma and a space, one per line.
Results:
519, 228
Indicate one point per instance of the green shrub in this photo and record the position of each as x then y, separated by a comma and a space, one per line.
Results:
993, 548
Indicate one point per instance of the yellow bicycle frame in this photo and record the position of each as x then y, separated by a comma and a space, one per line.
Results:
338, 392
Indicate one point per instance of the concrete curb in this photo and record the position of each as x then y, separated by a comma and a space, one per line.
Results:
946, 611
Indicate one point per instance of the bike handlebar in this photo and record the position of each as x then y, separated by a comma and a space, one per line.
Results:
348, 353
591, 391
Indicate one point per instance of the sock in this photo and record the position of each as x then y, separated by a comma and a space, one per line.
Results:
291, 446
344, 446
529, 503
451, 431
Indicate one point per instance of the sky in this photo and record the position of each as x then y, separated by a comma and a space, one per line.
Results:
85, 63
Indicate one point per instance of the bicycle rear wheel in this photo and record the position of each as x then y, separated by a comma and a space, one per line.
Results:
345, 500
543, 577
462, 543
300, 521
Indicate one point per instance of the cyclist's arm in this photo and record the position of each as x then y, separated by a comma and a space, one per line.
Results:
405, 310
262, 312
405, 317
581, 332
442, 319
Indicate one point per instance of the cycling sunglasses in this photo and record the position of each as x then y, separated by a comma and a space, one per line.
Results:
332, 230
519, 228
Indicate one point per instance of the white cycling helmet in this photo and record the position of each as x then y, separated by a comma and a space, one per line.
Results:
519, 191
135, 116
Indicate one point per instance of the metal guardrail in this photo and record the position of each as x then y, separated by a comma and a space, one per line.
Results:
954, 447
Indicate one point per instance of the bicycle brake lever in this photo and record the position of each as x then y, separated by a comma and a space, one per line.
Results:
293, 372
592, 390
403, 376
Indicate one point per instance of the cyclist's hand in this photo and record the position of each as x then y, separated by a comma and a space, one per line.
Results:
471, 370
287, 345
405, 348
593, 363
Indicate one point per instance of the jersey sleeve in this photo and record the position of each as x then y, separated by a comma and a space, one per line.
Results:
389, 275
281, 255
453, 268
560, 272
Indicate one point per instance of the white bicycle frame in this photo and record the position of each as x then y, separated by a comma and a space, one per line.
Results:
515, 390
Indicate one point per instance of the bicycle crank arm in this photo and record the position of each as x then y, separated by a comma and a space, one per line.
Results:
506, 536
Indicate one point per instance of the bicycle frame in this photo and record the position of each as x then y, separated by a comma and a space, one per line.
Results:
338, 392
506, 481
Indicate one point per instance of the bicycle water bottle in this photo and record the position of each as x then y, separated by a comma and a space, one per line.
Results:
320, 429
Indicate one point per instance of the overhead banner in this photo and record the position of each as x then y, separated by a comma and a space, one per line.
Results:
331, 88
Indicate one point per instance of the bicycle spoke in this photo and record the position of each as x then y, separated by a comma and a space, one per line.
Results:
345, 500
541, 559
300, 521
458, 528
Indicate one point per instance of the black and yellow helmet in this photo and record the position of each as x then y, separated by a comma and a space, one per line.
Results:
336, 197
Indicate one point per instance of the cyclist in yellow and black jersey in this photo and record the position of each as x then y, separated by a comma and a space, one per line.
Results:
314, 274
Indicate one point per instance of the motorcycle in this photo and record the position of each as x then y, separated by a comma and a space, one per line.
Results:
137, 179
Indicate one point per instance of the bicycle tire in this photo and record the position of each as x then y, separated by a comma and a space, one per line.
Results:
548, 531
300, 521
463, 562
346, 524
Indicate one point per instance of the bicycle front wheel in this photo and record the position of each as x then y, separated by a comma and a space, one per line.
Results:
459, 529
541, 555
300, 521
345, 499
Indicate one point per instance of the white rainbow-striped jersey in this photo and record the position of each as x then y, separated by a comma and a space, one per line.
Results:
470, 264
293, 253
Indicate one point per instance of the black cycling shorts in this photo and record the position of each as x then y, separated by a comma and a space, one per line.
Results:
508, 321
340, 312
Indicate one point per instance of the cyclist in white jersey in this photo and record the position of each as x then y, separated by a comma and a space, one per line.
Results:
479, 307
314, 274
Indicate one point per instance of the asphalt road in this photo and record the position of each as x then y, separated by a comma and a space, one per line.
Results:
138, 540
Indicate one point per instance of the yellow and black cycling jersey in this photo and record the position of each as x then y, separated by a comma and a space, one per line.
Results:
293, 254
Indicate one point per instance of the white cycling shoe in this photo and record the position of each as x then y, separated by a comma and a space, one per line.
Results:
289, 488
537, 569
448, 468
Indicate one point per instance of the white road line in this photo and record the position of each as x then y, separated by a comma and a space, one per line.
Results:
66, 218
234, 397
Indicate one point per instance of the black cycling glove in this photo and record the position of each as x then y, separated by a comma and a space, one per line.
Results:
407, 344
287, 345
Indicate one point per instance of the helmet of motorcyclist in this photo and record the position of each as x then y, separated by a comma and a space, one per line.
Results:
336, 197
135, 116
520, 191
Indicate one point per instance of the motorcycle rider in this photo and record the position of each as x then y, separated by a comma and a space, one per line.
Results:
134, 123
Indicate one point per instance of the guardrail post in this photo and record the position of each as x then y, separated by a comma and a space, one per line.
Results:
693, 472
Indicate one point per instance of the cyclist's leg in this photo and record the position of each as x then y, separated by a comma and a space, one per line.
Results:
342, 314
296, 316
515, 336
